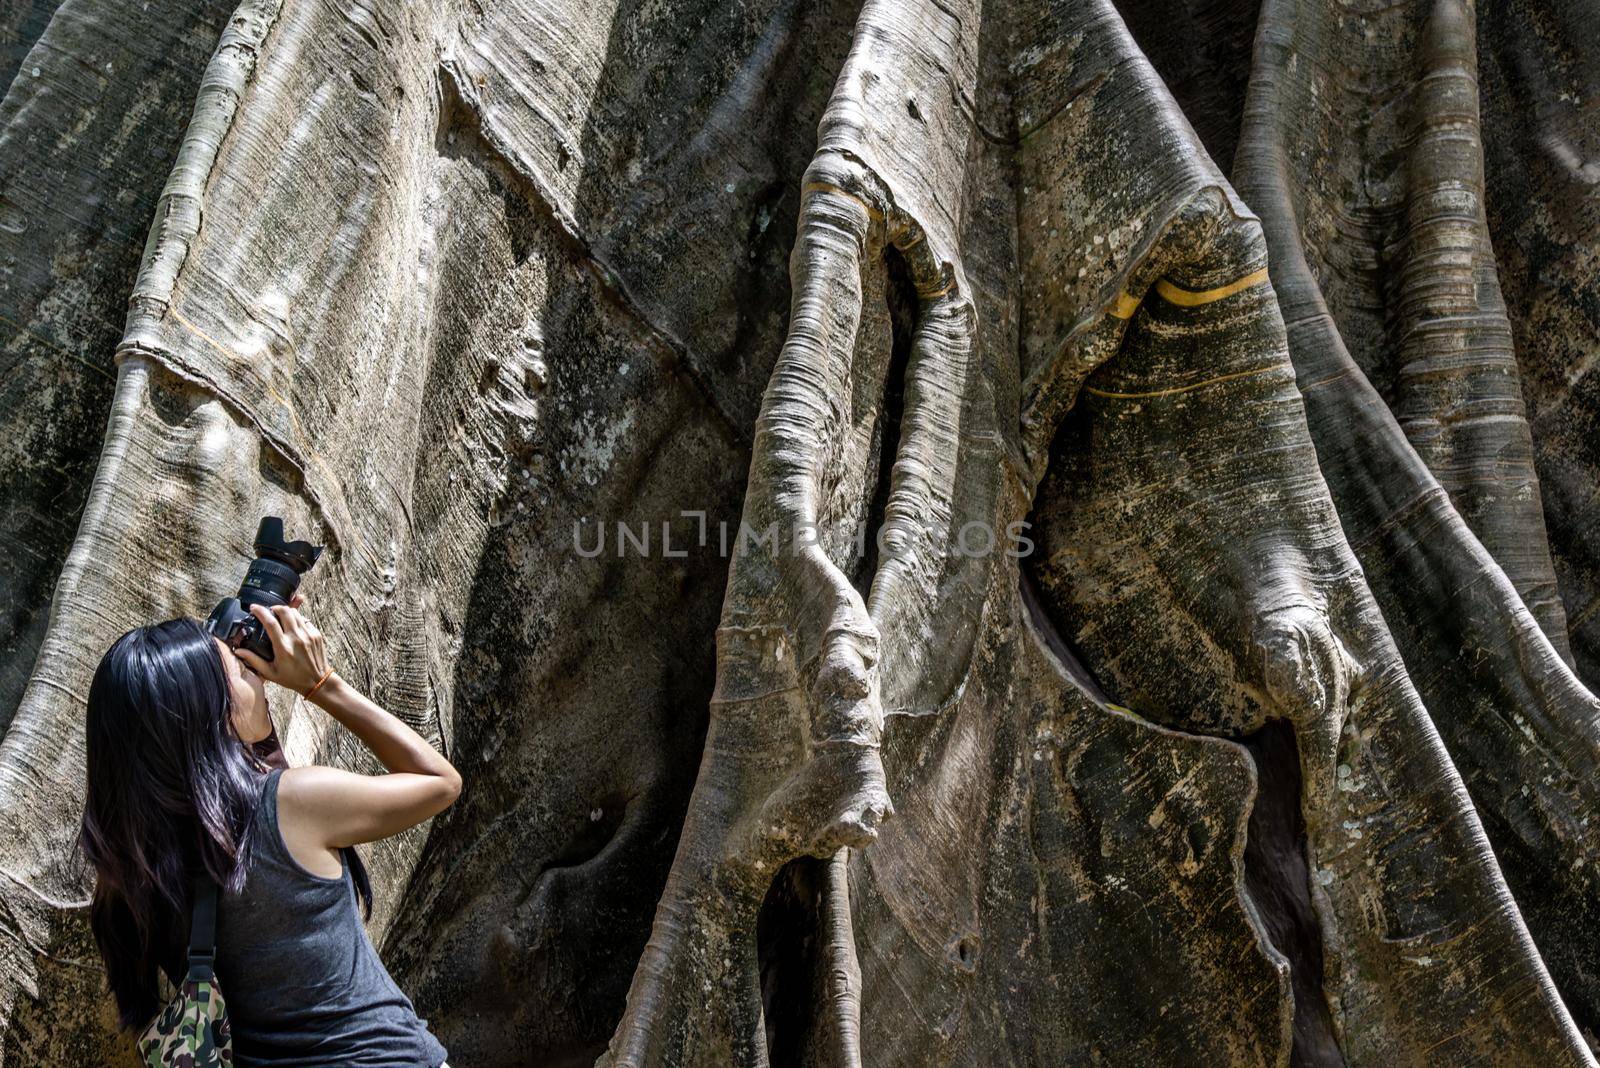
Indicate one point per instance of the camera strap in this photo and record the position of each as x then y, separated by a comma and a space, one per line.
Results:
203, 929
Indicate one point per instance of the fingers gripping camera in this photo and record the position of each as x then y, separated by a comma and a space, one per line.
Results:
272, 579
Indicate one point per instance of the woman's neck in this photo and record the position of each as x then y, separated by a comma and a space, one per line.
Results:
268, 752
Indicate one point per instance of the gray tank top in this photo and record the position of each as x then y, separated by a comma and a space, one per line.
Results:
303, 984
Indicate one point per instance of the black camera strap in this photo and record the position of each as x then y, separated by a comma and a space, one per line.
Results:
203, 929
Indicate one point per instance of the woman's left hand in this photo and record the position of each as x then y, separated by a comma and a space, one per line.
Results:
300, 658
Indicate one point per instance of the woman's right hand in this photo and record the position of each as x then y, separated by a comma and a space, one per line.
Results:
300, 657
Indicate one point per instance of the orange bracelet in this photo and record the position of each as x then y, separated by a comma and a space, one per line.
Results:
319, 682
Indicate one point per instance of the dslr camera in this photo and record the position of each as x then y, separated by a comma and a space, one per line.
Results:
273, 577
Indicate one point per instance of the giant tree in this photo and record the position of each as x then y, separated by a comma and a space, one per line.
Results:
936, 531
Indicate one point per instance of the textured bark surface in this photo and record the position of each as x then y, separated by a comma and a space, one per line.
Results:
1211, 382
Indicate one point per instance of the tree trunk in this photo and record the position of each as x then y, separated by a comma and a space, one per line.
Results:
1114, 583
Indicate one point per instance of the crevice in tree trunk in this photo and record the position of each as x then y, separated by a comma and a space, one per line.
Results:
786, 945
1141, 893
1276, 872
1054, 640
1207, 83
1277, 879
900, 293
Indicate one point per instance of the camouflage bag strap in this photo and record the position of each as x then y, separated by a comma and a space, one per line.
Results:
192, 1031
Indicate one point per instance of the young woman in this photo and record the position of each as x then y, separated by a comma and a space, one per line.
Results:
184, 775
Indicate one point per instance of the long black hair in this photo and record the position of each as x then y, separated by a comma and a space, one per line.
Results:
172, 789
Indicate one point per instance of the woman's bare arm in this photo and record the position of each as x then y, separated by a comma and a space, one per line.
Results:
329, 807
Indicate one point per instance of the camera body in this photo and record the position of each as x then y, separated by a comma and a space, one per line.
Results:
272, 579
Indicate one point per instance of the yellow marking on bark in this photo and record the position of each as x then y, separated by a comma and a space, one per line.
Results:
288, 408
1125, 306
1127, 712
185, 322
1180, 389
829, 187
1189, 298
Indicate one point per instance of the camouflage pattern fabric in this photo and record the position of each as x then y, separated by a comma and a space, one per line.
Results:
190, 1032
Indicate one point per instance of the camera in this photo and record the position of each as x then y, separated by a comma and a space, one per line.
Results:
273, 577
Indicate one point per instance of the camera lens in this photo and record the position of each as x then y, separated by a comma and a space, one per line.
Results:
268, 582
272, 579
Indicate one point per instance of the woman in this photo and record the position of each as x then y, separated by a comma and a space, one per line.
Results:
184, 774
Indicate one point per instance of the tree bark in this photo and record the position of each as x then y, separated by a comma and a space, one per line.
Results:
1208, 685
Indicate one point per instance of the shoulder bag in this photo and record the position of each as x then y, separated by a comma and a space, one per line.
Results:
192, 1030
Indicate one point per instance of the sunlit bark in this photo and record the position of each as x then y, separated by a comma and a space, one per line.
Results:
1273, 749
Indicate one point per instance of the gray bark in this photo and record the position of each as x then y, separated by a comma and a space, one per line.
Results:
1272, 322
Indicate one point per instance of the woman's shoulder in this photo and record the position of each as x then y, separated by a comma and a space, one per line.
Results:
294, 796
308, 782
305, 790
